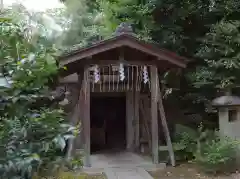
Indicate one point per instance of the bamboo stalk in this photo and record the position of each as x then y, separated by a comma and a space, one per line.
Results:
137, 82
109, 78
113, 78
149, 81
132, 77
118, 80
141, 77
128, 81
103, 79
100, 86
93, 81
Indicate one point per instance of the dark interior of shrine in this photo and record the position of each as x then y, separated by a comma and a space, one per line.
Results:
108, 122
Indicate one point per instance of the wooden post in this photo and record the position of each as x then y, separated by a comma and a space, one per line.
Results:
72, 143
76, 117
154, 113
136, 117
129, 120
86, 118
165, 127
146, 115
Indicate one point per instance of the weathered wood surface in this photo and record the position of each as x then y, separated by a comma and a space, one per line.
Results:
74, 120
136, 118
165, 126
129, 120
154, 113
86, 118
79, 140
136, 47
145, 120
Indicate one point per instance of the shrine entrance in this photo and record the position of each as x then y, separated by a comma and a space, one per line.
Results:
125, 65
108, 122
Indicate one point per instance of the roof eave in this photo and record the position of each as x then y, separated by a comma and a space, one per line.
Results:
119, 41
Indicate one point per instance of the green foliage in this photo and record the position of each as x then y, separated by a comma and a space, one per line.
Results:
185, 142
72, 175
81, 25
217, 155
188, 140
205, 148
33, 132
221, 52
131, 11
64, 175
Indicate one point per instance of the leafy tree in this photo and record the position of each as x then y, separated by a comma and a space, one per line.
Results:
138, 13
32, 129
220, 50
80, 27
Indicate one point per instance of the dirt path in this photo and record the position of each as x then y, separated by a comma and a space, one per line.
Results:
187, 171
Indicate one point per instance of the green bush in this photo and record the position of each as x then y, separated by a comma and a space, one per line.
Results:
185, 142
206, 148
63, 175
33, 130
217, 155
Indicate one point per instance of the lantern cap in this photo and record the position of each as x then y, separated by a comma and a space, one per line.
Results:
227, 100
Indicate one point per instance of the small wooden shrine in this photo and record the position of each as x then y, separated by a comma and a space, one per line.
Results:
121, 66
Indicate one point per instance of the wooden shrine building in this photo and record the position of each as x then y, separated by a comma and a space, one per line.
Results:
115, 94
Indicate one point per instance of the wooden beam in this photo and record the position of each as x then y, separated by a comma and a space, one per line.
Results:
154, 113
136, 117
127, 62
165, 126
129, 120
86, 118
79, 140
154, 51
146, 115
89, 52
74, 144
120, 41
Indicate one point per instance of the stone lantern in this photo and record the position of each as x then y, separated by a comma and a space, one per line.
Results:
229, 115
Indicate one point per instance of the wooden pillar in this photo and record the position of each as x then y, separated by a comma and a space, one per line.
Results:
136, 118
73, 144
129, 121
77, 143
154, 113
86, 118
74, 116
165, 126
